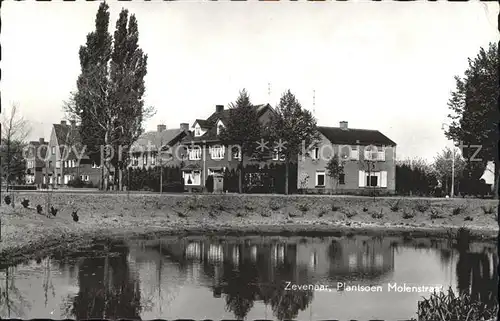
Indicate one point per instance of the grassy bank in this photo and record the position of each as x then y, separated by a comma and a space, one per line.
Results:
26, 234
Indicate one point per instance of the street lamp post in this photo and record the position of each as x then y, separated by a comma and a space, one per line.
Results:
452, 192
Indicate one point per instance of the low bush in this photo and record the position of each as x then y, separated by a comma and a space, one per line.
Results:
365, 209
274, 205
458, 210
395, 206
303, 207
408, 214
449, 306
468, 218
422, 206
335, 208
378, 215
488, 209
349, 214
435, 214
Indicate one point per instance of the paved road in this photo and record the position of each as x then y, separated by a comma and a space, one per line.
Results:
136, 193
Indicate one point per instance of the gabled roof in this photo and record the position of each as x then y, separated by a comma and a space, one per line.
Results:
40, 151
157, 139
202, 122
210, 122
69, 135
352, 136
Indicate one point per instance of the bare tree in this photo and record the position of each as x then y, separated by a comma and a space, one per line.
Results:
15, 130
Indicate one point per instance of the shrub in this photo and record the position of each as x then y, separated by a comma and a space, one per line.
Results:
378, 215
174, 187
7, 199
422, 206
249, 207
303, 207
435, 214
468, 218
274, 205
441, 306
458, 210
395, 206
322, 212
349, 214
407, 214
365, 209
77, 182
209, 184
488, 209
335, 208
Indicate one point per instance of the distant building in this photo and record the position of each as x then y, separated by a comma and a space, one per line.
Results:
489, 174
67, 159
206, 155
368, 157
145, 150
35, 155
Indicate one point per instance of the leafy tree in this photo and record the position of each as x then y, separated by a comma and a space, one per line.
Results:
335, 168
474, 111
242, 129
15, 130
292, 128
128, 68
108, 100
443, 167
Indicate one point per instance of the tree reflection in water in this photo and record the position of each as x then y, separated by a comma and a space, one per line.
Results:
107, 288
253, 280
477, 277
12, 301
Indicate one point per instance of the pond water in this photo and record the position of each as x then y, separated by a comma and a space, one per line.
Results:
245, 277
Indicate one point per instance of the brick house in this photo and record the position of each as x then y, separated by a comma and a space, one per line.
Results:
205, 154
145, 150
368, 157
66, 158
35, 161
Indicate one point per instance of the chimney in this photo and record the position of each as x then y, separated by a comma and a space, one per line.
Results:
161, 128
343, 125
219, 108
184, 127
41, 140
63, 122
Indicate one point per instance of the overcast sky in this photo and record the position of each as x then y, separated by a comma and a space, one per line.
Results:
381, 65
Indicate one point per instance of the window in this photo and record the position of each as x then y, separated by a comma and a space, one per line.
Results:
53, 150
94, 165
354, 152
197, 130
278, 156
192, 177
217, 152
372, 179
342, 179
153, 159
135, 160
50, 164
219, 129
86, 178
320, 178
315, 153
236, 154
58, 164
145, 159
194, 153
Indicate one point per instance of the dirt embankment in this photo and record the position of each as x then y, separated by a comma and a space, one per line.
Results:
26, 234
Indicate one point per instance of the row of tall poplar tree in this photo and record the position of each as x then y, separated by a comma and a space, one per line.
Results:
108, 101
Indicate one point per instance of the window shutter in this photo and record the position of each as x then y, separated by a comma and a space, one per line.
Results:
383, 179
362, 177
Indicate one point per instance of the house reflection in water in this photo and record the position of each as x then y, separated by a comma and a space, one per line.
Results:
314, 260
